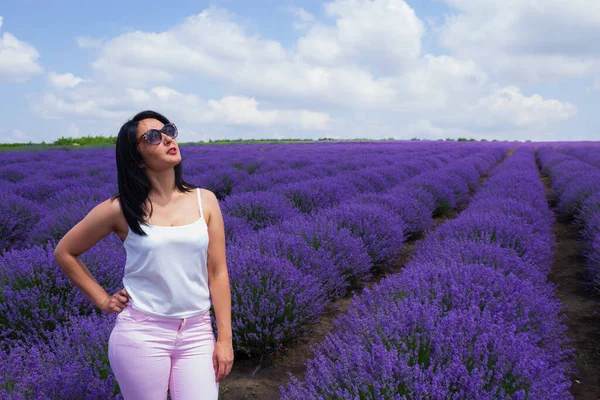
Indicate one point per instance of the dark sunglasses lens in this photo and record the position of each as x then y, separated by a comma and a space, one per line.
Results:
154, 136
170, 130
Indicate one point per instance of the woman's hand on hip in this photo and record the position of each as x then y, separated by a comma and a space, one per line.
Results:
115, 303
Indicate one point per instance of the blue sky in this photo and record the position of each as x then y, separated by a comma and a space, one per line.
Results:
271, 69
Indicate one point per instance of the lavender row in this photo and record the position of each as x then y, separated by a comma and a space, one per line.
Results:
257, 210
271, 202
221, 169
576, 186
276, 202
43, 198
587, 152
388, 167
283, 276
470, 316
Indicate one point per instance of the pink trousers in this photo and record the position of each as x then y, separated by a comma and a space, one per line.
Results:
150, 355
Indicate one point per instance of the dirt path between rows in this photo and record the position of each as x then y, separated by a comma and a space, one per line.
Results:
581, 307
261, 379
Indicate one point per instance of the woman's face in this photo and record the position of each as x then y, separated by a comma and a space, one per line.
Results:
157, 157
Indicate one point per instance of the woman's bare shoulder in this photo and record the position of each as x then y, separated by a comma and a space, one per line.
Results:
207, 194
114, 212
113, 203
210, 203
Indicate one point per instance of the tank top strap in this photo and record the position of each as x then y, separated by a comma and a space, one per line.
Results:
199, 202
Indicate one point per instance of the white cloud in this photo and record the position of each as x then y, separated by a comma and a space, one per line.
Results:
61, 81
367, 58
229, 110
301, 14
94, 105
523, 41
244, 111
17, 59
190, 108
211, 45
439, 83
303, 19
507, 107
383, 36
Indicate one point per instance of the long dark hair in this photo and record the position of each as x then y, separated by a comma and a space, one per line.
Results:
133, 182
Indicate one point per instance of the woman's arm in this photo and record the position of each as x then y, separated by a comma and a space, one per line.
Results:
218, 278
218, 282
96, 225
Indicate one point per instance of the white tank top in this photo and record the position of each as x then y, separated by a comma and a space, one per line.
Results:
166, 272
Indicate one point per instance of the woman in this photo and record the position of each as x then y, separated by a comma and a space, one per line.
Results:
173, 233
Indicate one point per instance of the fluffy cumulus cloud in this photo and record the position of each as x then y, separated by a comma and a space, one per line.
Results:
362, 57
229, 110
383, 37
210, 44
507, 107
58, 105
18, 59
61, 81
244, 110
438, 84
526, 40
92, 102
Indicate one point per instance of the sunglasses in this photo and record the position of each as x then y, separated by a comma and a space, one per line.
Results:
154, 136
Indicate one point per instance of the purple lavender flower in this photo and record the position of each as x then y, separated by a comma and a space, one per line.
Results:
272, 301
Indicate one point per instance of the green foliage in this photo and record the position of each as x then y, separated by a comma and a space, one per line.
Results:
85, 140
17, 144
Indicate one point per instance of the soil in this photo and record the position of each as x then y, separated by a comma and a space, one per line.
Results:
580, 305
253, 378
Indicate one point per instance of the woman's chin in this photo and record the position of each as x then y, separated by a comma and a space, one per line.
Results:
174, 160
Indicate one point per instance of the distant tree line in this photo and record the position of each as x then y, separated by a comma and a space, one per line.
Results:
100, 140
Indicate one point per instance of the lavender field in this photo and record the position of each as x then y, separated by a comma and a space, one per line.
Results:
427, 270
